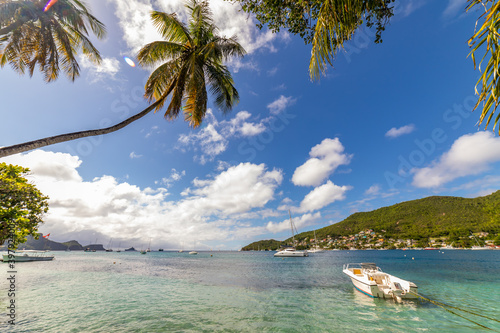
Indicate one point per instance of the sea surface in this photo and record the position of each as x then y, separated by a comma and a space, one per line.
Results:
248, 292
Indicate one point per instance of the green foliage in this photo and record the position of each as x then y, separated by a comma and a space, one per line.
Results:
191, 58
326, 24
31, 36
22, 206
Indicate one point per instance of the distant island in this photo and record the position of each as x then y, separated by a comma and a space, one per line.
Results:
43, 244
436, 221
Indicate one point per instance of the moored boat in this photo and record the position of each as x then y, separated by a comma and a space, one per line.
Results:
370, 280
291, 252
27, 255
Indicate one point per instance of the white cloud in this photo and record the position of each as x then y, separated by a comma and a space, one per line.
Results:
454, 7
134, 155
301, 222
106, 69
325, 158
213, 139
471, 154
135, 22
280, 104
208, 139
405, 8
239, 125
109, 208
373, 190
175, 176
395, 132
323, 196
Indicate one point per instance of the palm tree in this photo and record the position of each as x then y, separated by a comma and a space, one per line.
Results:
50, 37
194, 56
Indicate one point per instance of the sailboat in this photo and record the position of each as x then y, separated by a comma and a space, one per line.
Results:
109, 249
316, 248
291, 251
478, 246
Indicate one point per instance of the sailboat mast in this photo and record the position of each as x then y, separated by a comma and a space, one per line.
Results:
291, 225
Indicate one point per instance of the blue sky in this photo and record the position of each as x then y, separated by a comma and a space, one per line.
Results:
390, 122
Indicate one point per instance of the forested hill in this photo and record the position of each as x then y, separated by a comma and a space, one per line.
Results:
428, 217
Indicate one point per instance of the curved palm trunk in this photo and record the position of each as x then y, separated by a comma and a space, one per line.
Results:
22, 147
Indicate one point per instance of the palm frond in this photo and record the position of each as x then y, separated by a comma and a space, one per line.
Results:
222, 87
169, 26
159, 51
336, 23
161, 79
487, 36
33, 37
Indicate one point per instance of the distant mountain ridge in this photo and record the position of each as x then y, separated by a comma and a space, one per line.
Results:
435, 216
47, 244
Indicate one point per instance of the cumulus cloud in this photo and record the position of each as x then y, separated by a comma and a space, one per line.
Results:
213, 139
322, 196
280, 104
395, 132
471, 154
326, 157
135, 22
175, 176
106, 69
109, 208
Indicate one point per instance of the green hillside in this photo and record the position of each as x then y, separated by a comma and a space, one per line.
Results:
428, 217
436, 216
269, 244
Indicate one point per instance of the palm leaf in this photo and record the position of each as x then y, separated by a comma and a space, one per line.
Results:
486, 39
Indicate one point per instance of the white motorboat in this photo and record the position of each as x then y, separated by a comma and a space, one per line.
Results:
193, 252
370, 280
27, 255
291, 252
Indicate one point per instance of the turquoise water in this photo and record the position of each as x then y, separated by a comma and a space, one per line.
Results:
247, 292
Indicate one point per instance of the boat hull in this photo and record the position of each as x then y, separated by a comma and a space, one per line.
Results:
25, 258
291, 254
377, 284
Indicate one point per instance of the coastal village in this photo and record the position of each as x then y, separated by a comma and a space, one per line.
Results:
372, 240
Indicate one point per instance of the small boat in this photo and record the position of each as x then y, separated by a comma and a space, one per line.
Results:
291, 252
143, 252
370, 280
27, 255
180, 251
316, 248
160, 250
193, 252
